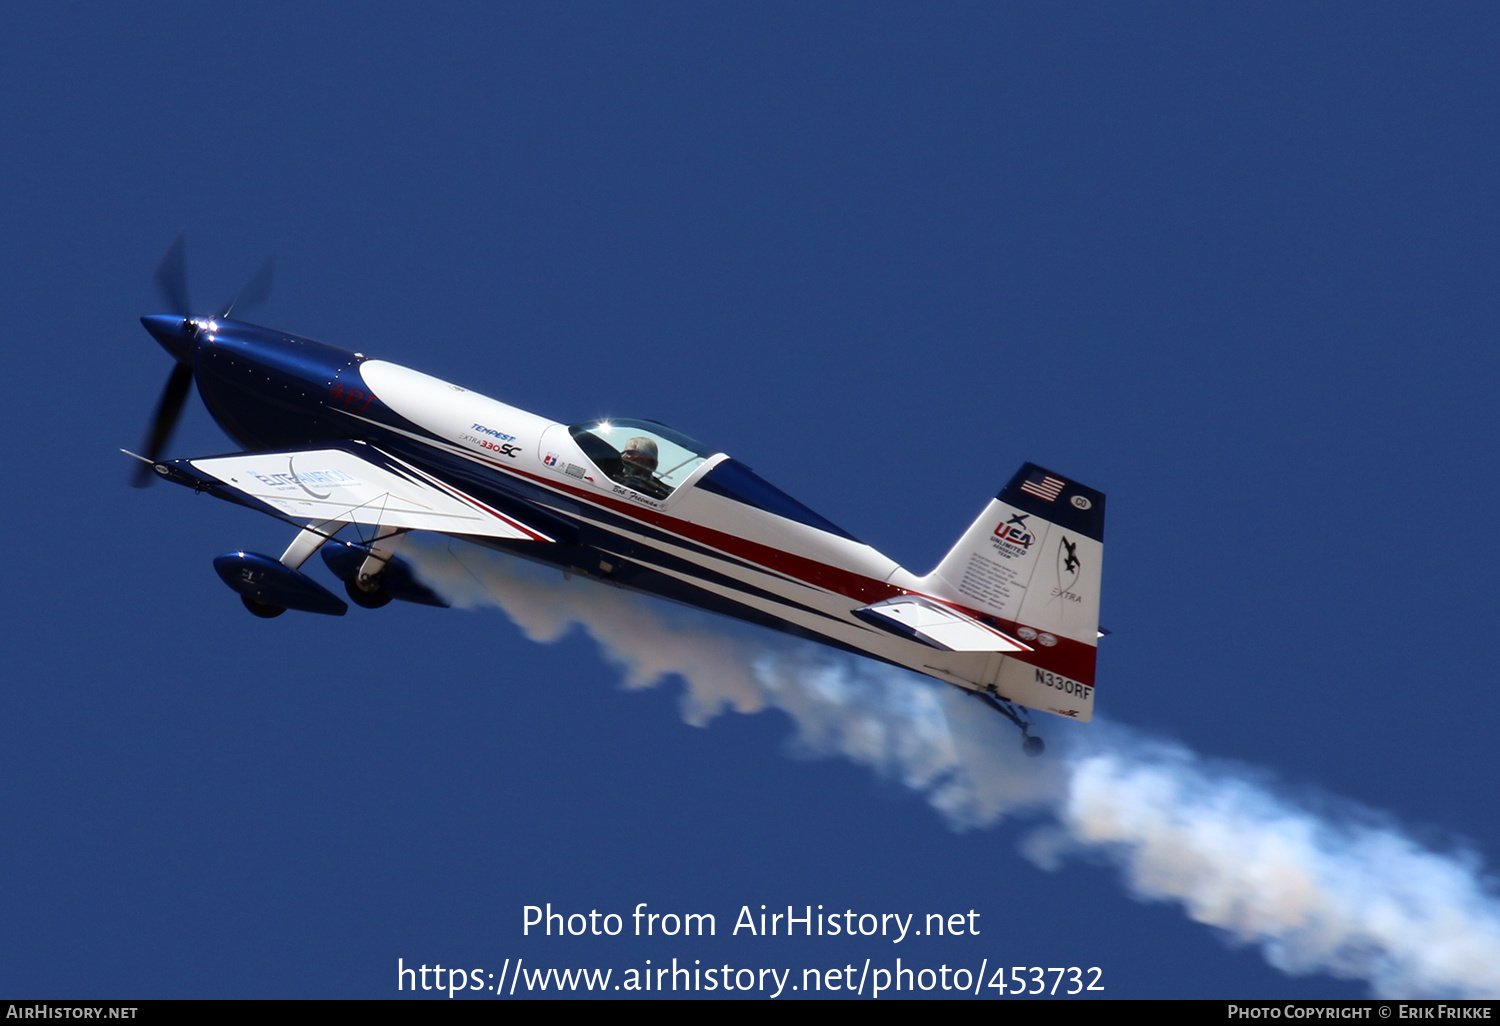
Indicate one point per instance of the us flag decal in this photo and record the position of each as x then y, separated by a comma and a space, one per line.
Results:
1047, 488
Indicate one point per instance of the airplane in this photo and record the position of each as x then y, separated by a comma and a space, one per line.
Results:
334, 439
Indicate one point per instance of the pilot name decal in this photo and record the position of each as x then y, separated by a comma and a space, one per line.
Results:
1013, 538
644, 500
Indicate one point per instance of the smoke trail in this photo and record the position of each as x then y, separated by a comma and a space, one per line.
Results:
1344, 894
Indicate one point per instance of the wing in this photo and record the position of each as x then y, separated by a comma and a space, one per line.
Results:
357, 485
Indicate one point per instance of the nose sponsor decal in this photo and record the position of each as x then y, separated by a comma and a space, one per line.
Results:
505, 446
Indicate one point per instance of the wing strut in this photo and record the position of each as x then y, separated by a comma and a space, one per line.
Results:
309, 540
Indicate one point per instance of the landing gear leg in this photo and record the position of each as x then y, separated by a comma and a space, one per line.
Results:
1030, 743
367, 589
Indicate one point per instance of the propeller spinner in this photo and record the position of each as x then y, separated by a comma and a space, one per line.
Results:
178, 333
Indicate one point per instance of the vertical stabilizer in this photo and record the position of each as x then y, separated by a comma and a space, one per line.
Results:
1032, 560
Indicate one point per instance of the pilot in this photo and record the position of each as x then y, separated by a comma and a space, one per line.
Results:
638, 467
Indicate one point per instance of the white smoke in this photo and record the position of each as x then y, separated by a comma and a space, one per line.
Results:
1339, 893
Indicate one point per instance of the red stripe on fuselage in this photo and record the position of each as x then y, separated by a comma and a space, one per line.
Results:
466, 497
1072, 659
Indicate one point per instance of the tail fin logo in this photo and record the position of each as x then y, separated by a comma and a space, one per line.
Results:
1012, 538
1068, 566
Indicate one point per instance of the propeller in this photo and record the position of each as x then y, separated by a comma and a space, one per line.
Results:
171, 278
256, 291
168, 409
178, 335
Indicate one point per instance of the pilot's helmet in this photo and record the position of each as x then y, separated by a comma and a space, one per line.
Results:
640, 452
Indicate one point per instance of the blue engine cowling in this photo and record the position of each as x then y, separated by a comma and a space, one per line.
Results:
273, 583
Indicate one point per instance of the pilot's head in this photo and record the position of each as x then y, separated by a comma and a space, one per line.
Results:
640, 453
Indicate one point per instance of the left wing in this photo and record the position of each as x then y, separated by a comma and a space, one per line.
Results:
332, 485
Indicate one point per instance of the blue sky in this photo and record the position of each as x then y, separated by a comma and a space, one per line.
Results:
1234, 267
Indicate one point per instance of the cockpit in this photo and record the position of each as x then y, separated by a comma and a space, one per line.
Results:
653, 461
642, 455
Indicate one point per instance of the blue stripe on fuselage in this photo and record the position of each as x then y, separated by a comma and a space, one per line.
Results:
580, 528
272, 390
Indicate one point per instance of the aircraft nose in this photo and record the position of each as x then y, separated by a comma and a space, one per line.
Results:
176, 334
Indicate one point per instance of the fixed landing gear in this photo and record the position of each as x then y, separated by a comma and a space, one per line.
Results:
264, 610
1030, 743
368, 592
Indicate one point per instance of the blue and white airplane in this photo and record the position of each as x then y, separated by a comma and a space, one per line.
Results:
334, 439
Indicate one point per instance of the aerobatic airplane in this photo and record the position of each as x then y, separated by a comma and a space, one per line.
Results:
334, 439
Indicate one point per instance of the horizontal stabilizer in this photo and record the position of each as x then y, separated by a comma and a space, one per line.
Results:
937, 626
339, 485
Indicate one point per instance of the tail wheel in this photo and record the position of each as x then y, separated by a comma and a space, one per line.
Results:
264, 610
368, 599
1033, 745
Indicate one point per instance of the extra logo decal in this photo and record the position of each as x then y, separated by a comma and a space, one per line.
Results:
503, 447
1068, 566
1013, 538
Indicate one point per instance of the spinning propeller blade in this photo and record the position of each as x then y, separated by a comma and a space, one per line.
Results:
171, 279
171, 283
168, 409
256, 291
